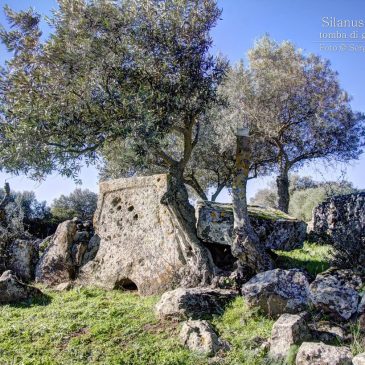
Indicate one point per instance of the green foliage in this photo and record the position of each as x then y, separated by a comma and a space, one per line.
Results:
305, 195
80, 203
128, 73
312, 257
89, 326
303, 202
245, 329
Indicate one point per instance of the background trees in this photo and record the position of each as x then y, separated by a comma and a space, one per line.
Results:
295, 104
80, 203
305, 194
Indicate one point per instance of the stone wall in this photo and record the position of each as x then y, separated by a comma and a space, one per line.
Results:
344, 214
143, 243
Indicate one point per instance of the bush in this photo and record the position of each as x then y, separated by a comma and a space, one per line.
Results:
80, 203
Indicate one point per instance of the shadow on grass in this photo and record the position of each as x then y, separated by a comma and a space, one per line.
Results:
40, 300
312, 266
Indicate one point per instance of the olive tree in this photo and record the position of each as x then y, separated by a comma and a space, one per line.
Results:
129, 72
294, 102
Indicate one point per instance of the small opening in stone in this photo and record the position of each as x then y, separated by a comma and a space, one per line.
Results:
135, 217
130, 208
158, 179
222, 256
125, 284
119, 207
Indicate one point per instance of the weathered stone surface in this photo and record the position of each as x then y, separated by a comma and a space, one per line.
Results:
277, 230
311, 353
333, 292
72, 246
23, 257
193, 303
288, 330
278, 291
200, 336
345, 213
359, 359
13, 291
56, 265
143, 239
327, 332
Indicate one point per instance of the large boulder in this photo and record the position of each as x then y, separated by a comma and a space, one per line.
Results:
310, 353
66, 251
277, 230
193, 303
334, 292
56, 265
23, 256
288, 330
278, 291
200, 336
145, 243
342, 213
13, 291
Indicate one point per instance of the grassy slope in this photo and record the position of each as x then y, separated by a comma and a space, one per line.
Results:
98, 327
92, 326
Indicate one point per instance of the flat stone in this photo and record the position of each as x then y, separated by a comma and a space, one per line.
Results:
277, 230
278, 291
288, 330
193, 303
311, 353
200, 336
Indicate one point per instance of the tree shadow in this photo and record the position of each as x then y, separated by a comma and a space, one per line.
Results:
41, 300
313, 266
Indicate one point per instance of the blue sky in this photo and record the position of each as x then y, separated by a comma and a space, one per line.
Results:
242, 22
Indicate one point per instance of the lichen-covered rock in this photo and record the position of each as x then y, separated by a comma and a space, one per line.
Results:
333, 292
193, 303
200, 336
278, 291
277, 230
288, 330
13, 291
23, 257
56, 265
344, 213
311, 353
144, 240
72, 246
327, 332
359, 359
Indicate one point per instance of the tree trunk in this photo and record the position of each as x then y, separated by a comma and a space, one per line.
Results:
246, 245
282, 183
200, 267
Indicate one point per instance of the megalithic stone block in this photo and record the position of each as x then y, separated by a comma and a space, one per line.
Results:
144, 242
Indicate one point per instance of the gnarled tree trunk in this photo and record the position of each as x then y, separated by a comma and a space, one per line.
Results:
246, 245
200, 268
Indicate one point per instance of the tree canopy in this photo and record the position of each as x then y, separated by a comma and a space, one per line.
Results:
295, 104
134, 73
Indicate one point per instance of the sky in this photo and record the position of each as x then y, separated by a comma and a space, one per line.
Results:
242, 22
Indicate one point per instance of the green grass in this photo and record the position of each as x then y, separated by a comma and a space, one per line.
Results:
312, 257
91, 326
